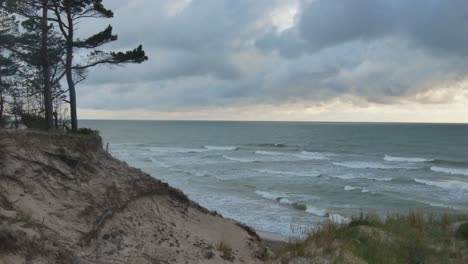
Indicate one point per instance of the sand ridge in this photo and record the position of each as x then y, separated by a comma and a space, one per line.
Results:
63, 199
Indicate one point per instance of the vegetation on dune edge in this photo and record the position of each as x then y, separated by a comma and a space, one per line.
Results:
411, 238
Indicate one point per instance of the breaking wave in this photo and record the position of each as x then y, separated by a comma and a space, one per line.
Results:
221, 148
270, 145
282, 199
451, 184
306, 155
369, 165
289, 173
339, 219
455, 171
404, 159
349, 188
175, 150
239, 159
351, 177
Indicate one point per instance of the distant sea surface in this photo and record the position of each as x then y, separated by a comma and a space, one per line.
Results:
281, 177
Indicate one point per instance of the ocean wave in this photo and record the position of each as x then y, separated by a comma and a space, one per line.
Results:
350, 188
283, 199
270, 196
315, 155
369, 165
352, 177
316, 211
451, 184
302, 155
271, 153
239, 159
339, 219
291, 173
197, 173
404, 159
175, 150
159, 163
441, 205
450, 162
271, 145
221, 148
455, 171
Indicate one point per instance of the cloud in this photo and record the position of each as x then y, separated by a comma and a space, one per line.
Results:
238, 54
434, 24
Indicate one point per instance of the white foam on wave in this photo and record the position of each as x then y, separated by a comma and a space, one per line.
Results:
349, 188
404, 159
289, 173
351, 177
159, 163
221, 148
314, 155
283, 199
339, 219
239, 159
271, 153
368, 165
305, 155
316, 211
197, 173
269, 196
455, 171
451, 184
175, 150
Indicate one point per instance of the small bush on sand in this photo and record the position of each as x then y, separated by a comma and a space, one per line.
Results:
226, 250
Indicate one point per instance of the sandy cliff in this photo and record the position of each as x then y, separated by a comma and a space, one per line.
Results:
65, 200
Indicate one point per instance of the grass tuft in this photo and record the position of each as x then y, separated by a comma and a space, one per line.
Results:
226, 251
462, 231
414, 237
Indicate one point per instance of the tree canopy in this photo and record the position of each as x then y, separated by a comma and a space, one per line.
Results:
44, 44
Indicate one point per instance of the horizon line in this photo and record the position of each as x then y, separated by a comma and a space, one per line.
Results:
280, 121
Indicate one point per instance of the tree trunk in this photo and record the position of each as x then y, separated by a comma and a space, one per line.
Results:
48, 107
2, 123
69, 72
56, 120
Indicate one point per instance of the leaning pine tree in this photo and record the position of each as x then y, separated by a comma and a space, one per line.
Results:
68, 13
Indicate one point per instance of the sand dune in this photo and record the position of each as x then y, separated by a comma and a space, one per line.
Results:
65, 200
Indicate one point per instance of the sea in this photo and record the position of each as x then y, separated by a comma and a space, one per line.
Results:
287, 177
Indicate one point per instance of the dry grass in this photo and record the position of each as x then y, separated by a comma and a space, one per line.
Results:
399, 238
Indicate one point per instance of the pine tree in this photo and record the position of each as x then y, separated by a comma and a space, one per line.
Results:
8, 65
36, 13
67, 14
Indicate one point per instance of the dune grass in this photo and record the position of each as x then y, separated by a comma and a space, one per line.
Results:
399, 238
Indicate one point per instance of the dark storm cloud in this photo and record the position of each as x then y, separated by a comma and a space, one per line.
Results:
438, 25
227, 52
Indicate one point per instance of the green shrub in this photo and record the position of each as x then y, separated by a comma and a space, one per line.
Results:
462, 231
33, 121
84, 131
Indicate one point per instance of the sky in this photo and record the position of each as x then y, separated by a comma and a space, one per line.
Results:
288, 60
